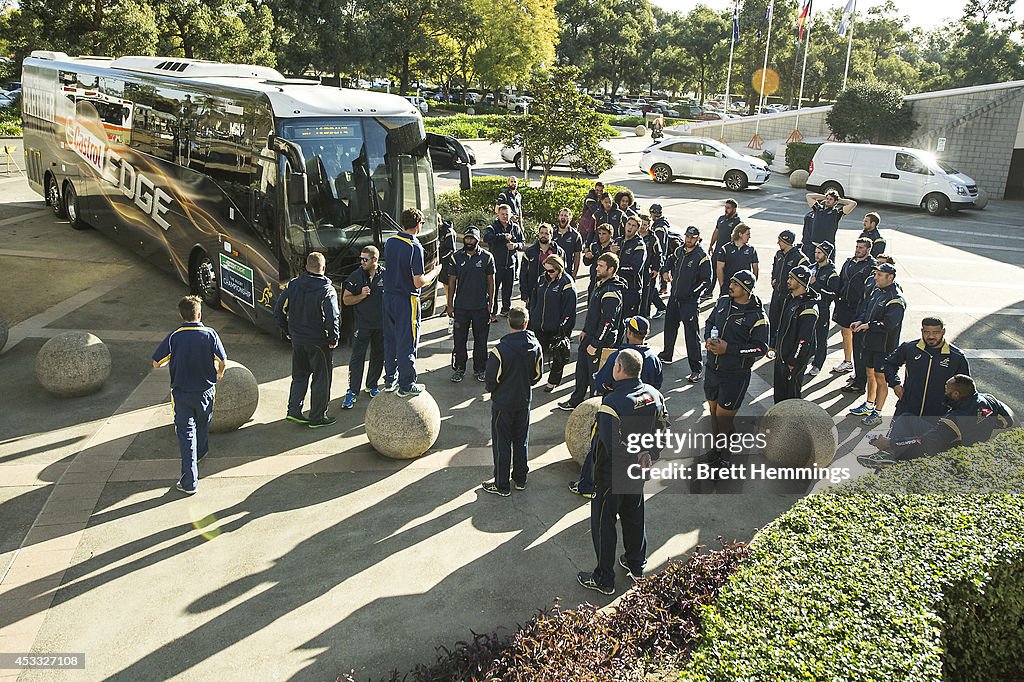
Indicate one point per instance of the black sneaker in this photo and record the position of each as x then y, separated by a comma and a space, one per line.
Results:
457, 375
492, 488
852, 388
297, 418
629, 571
480, 376
664, 358
326, 421
694, 377
587, 580
566, 405
182, 489
519, 486
574, 488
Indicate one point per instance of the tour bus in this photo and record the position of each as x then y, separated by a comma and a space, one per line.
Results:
227, 174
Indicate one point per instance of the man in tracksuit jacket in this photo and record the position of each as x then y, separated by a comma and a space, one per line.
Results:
631, 410
880, 322
853, 277
971, 418
651, 373
601, 244
470, 291
663, 229
506, 241
533, 260
512, 198
609, 214
601, 327
655, 259
553, 316
632, 267
735, 336
872, 232
513, 367
796, 334
824, 280
307, 315
688, 269
787, 257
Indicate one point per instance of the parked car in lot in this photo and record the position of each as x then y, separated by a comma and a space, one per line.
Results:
419, 102
519, 103
712, 115
632, 111
701, 158
514, 155
7, 99
613, 109
894, 175
449, 152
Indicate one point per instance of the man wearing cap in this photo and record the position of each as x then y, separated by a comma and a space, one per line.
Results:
651, 373
688, 269
725, 224
852, 279
632, 266
506, 241
787, 257
533, 260
655, 259
796, 334
471, 283
735, 336
880, 322
632, 410
601, 245
828, 210
734, 256
825, 281
601, 327
571, 241
871, 231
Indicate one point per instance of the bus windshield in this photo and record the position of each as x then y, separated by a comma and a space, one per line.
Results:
355, 165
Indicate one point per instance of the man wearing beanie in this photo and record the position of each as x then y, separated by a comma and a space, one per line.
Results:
796, 334
787, 257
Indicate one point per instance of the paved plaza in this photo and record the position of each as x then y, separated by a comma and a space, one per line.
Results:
306, 554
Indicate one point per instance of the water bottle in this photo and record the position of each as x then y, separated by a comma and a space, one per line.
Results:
714, 333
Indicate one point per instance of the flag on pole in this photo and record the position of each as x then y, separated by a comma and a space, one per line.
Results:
765, 19
736, 21
803, 18
844, 24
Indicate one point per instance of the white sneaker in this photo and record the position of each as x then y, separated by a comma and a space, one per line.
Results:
843, 368
813, 371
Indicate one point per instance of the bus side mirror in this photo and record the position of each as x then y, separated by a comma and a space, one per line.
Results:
298, 192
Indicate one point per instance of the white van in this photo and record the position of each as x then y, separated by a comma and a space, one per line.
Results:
895, 175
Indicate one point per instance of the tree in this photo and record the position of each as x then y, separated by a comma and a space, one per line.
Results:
560, 124
705, 36
871, 111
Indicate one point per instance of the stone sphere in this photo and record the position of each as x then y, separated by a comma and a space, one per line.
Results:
402, 428
5, 329
579, 428
980, 202
470, 111
640, 131
799, 433
73, 364
236, 398
798, 178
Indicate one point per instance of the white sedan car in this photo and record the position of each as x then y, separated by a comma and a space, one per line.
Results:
700, 158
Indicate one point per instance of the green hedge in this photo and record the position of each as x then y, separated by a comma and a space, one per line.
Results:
538, 205
633, 121
799, 154
466, 127
914, 574
462, 108
10, 119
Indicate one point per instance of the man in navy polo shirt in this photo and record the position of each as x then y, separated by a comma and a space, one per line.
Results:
364, 289
403, 279
470, 292
827, 210
197, 361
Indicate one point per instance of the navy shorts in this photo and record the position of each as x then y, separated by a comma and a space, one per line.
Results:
727, 388
844, 315
874, 359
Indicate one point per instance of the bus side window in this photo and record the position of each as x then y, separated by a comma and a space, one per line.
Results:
154, 124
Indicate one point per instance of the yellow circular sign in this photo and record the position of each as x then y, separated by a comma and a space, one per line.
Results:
770, 79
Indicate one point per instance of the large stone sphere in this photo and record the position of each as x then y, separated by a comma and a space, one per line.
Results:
402, 428
579, 428
5, 329
236, 398
73, 364
799, 433
798, 178
980, 202
640, 131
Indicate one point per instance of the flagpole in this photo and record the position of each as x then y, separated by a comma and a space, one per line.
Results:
803, 72
732, 48
764, 69
849, 48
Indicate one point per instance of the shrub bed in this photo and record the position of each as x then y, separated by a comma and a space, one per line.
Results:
799, 155
10, 120
478, 126
658, 620
540, 205
914, 574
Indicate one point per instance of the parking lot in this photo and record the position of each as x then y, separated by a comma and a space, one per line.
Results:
306, 554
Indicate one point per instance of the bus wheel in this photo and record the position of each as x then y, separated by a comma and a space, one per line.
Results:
203, 279
53, 197
71, 208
